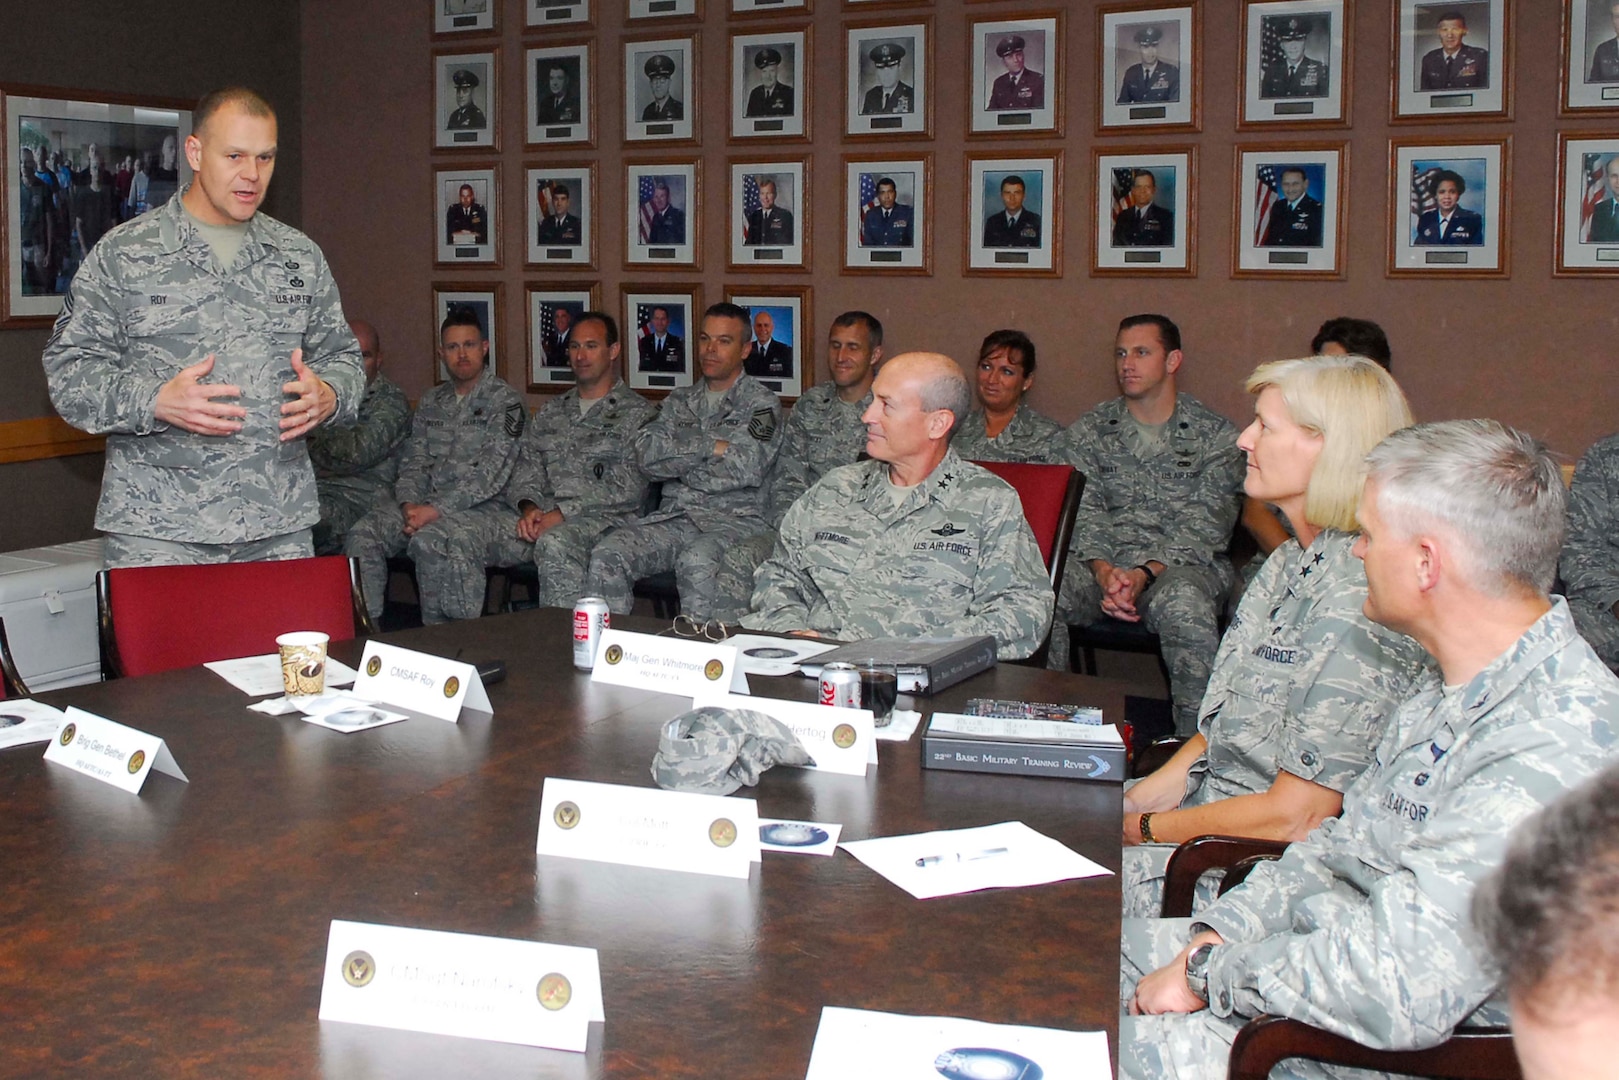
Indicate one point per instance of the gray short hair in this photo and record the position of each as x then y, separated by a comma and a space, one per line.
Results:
1496, 492
947, 390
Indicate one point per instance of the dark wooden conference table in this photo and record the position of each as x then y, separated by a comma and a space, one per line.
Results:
183, 932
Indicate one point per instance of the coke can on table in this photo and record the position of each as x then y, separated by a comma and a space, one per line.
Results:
590, 618
840, 685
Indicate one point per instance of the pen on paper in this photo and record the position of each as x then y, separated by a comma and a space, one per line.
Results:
961, 856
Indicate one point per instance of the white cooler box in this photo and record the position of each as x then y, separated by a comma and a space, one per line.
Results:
48, 602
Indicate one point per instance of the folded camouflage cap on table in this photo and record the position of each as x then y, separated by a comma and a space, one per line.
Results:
714, 751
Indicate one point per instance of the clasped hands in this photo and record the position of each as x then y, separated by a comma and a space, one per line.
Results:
1121, 588
187, 402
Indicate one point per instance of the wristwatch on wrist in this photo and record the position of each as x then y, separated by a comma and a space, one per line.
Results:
1197, 971
1152, 578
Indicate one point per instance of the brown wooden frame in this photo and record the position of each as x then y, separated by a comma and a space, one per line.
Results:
801, 90
492, 96
497, 319
1566, 72
924, 220
1500, 61
1340, 216
1559, 266
929, 69
1051, 215
445, 36
1104, 92
695, 13
802, 216
1187, 227
1055, 76
805, 351
629, 332
587, 94
592, 231
693, 114
1502, 226
594, 288
1248, 66
541, 27
440, 174
803, 7
694, 202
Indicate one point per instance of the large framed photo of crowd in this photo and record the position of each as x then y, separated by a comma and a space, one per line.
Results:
770, 85
661, 223
1144, 221
561, 95
1448, 208
553, 308
1295, 57
79, 165
486, 300
1292, 210
562, 217
467, 200
770, 223
1452, 59
887, 201
1015, 69
1014, 215
887, 72
1590, 68
466, 98
778, 348
1588, 210
1150, 66
657, 329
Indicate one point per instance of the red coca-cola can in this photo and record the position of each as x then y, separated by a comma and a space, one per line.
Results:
840, 685
590, 618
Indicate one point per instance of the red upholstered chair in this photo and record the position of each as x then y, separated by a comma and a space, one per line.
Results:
155, 618
1050, 496
11, 684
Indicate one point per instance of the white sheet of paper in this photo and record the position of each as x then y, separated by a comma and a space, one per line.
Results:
858, 1042
24, 721
757, 654
1003, 856
799, 837
257, 676
901, 728
347, 713
1015, 728
840, 740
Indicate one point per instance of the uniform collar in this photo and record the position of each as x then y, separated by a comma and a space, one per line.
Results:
937, 485
177, 233
1548, 634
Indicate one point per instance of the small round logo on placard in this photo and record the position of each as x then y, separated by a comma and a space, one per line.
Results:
358, 968
136, 760
68, 733
843, 736
713, 670
451, 685
373, 666
722, 833
613, 654
554, 992
566, 815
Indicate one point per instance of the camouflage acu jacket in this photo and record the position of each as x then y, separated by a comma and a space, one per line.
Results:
362, 460
1029, 436
823, 432
678, 448
460, 454
583, 464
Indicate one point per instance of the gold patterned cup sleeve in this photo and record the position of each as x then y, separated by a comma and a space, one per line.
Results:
303, 663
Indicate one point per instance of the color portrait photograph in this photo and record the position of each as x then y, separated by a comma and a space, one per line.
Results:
1016, 76
1143, 209
662, 199
1453, 57
769, 214
1449, 208
561, 214
1588, 210
1290, 211
468, 200
1012, 223
886, 215
552, 312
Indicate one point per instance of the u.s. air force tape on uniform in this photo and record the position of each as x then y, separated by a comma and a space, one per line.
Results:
836, 740
670, 665
716, 749
664, 830
109, 751
524, 992
420, 683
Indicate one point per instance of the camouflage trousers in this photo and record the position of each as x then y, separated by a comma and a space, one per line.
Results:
643, 548
379, 536
1141, 881
486, 536
1599, 628
733, 583
339, 510
1182, 607
126, 550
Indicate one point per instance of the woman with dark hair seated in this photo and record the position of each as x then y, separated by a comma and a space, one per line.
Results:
1002, 428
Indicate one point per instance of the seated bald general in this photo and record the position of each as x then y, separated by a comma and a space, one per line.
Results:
914, 541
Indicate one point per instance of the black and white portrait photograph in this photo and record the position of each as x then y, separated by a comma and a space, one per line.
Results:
1295, 56
769, 214
561, 215
658, 90
657, 331
1148, 67
552, 311
484, 300
466, 101
1588, 211
663, 9
1143, 214
451, 17
556, 12
1453, 57
661, 227
1590, 69
779, 344
1448, 203
769, 85
560, 93
1016, 76
1013, 221
468, 199
886, 70
1290, 210
886, 206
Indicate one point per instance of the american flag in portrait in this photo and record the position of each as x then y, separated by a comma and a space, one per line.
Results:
1422, 196
644, 196
548, 323
1123, 180
1270, 41
643, 316
1596, 167
750, 202
868, 200
1267, 193
542, 192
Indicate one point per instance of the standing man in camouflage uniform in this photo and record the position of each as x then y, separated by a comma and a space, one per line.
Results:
184, 339
913, 542
575, 478
462, 446
1362, 928
823, 431
712, 445
1163, 486
1006, 362
1590, 562
355, 467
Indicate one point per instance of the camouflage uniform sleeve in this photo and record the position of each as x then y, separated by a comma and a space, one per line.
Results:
1201, 528
411, 484
93, 384
1012, 598
382, 426
493, 457
1590, 560
330, 349
1093, 528
790, 478
782, 593
753, 435
674, 442
530, 480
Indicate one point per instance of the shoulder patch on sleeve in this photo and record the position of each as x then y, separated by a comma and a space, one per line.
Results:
516, 419
763, 424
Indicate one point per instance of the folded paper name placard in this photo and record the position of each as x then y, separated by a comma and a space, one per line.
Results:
109, 751
432, 685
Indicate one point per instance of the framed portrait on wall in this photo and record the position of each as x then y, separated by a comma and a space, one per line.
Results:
96, 139
453, 17
553, 308
659, 90
484, 300
768, 7
1452, 59
466, 102
659, 324
1448, 208
556, 12
664, 9
780, 343
560, 92
1015, 71
1588, 211
560, 225
1294, 58
1145, 217
886, 206
466, 202
1014, 215
661, 223
770, 85
1291, 210
886, 70
1590, 68
770, 214
1150, 66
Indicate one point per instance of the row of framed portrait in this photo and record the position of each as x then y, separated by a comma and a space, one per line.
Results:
657, 324
1448, 212
455, 18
